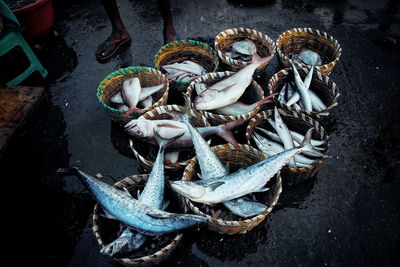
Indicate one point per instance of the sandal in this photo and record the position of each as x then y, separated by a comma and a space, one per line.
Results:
109, 47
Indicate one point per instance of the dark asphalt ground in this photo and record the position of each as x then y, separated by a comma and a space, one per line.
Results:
348, 215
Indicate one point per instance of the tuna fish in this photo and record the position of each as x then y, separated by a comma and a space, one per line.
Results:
245, 181
121, 206
152, 195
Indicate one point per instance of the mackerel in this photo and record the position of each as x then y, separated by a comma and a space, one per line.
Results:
305, 96
121, 206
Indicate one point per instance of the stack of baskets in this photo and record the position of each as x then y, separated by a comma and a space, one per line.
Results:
219, 219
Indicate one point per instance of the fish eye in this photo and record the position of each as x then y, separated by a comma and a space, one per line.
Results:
139, 132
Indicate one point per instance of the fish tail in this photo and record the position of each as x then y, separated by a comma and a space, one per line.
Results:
266, 99
260, 60
225, 131
306, 143
134, 109
164, 142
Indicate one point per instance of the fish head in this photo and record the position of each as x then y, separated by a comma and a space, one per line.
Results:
203, 101
141, 129
188, 189
120, 245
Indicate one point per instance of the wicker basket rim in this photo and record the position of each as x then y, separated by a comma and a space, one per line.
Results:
120, 73
309, 31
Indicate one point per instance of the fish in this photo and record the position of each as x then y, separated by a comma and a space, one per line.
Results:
147, 102
245, 181
229, 90
152, 195
142, 128
200, 87
211, 167
121, 206
295, 136
185, 66
240, 108
244, 47
130, 94
284, 134
304, 95
300, 160
309, 57
145, 92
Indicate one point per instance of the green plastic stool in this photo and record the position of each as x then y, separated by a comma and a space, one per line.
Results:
11, 38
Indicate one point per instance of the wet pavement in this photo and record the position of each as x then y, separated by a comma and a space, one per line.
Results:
346, 216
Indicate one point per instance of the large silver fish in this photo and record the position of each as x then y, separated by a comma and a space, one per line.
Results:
211, 167
229, 90
143, 128
152, 195
185, 66
305, 96
245, 181
121, 206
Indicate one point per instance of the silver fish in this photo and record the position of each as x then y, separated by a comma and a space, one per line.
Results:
147, 102
244, 47
229, 90
122, 207
143, 128
245, 181
284, 134
240, 108
309, 57
301, 161
305, 96
185, 66
211, 167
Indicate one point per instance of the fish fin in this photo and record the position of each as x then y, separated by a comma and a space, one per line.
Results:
165, 204
259, 60
134, 110
262, 189
225, 131
307, 140
138, 194
214, 186
164, 142
200, 176
126, 191
107, 215
160, 216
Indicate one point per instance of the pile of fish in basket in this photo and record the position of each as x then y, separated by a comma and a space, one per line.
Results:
216, 144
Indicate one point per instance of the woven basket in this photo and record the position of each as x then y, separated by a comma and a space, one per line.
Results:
296, 122
237, 157
297, 39
178, 51
265, 46
253, 93
102, 228
112, 83
143, 149
321, 85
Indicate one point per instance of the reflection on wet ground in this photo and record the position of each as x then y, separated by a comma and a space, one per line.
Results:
346, 215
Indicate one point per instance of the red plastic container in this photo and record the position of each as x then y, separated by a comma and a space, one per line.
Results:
37, 18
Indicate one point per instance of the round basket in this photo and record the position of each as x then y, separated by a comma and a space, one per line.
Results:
297, 39
103, 227
112, 83
265, 46
144, 150
321, 85
237, 157
253, 93
295, 122
178, 51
